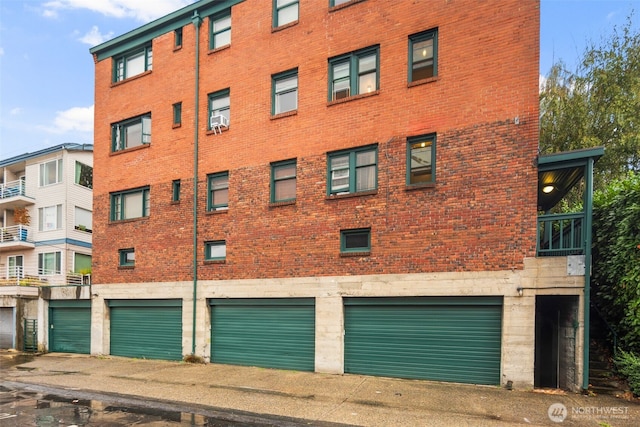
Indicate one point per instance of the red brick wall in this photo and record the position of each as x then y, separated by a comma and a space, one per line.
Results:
480, 215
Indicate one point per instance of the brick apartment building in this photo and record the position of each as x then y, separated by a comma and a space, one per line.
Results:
325, 185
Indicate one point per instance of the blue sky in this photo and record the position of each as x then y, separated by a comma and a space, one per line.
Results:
46, 71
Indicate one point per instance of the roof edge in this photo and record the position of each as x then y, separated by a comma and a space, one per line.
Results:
567, 156
162, 25
69, 146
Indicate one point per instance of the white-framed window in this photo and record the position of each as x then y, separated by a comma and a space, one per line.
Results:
50, 218
83, 219
50, 263
15, 266
50, 172
84, 175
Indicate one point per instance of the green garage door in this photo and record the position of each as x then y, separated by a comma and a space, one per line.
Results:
150, 329
70, 326
444, 339
272, 333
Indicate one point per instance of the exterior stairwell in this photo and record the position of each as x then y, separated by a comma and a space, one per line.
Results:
602, 376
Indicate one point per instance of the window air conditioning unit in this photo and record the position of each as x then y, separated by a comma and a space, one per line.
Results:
217, 121
341, 93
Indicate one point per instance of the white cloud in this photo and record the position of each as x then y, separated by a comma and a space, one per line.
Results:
78, 119
15, 111
1, 51
143, 11
94, 37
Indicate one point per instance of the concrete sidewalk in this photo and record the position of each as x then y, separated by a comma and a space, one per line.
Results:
319, 398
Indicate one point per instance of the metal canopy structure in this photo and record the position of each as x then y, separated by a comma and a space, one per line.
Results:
558, 173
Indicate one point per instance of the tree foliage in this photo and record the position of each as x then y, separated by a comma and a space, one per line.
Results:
616, 258
597, 105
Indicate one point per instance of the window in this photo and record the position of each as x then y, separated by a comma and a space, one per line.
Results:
50, 218
421, 154
175, 190
283, 181
130, 204
177, 38
284, 12
423, 48
49, 263
215, 250
218, 191
220, 30
285, 92
219, 105
353, 171
353, 74
356, 240
81, 263
84, 175
83, 219
133, 63
177, 114
15, 266
131, 133
127, 257
51, 172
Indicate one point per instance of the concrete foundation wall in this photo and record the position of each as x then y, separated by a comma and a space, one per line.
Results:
517, 287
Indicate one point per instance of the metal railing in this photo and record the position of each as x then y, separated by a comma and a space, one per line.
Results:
561, 234
17, 276
12, 188
16, 233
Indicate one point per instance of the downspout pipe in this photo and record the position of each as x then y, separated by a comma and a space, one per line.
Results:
197, 22
588, 204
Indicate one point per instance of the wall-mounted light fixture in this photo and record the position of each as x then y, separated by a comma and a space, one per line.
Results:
548, 188
520, 291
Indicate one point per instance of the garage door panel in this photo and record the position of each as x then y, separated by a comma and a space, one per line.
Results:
7, 327
443, 339
268, 333
149, 330
70, 326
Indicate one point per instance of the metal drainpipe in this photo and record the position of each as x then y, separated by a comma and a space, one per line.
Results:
197, 22
588, 203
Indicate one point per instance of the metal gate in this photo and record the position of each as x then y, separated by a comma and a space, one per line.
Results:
30, 336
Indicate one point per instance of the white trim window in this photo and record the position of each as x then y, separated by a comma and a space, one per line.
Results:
50, 172
50, 218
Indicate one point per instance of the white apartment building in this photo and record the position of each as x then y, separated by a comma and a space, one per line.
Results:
45, 237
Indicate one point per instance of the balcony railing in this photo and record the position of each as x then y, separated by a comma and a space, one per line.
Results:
12, 188
18, 276
16, 233
561, 234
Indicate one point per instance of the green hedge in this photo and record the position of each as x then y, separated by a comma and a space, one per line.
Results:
616, 258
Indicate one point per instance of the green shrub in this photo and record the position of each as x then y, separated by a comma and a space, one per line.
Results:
616, 258
628, 364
